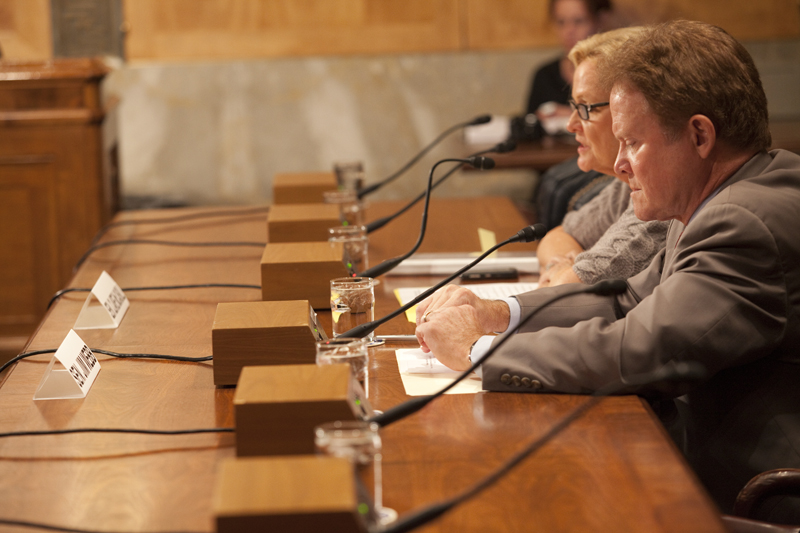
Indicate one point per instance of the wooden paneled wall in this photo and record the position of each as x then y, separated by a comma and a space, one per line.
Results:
216, 29
187, 29
25, 30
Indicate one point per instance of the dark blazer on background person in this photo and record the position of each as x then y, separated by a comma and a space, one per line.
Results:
724, 292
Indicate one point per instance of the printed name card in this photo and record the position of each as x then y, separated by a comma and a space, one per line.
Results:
104, 307
71, 371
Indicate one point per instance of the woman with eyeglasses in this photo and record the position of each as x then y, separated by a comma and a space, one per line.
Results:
603, 239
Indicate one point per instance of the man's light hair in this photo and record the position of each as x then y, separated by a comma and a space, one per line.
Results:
685, 68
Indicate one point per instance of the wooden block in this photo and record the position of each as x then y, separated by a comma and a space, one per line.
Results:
262, 333
278, 407
301, 222
301, 271
299, 494
302, 187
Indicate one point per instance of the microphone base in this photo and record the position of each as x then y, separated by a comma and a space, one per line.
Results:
262, 333
301, 222
301, 271
278, 407
302, 493
302, 187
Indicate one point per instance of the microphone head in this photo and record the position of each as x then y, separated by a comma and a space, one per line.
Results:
531, 233
609, 287
482, 163
482, 119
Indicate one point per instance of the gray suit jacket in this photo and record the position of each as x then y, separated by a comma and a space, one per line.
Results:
725, 292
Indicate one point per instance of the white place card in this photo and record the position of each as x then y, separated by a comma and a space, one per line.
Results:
104, 307
71, 371
423, 374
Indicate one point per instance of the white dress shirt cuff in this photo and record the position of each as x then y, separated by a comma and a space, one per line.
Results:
483, 344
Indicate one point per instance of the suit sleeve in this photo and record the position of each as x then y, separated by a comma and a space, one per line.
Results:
721, 301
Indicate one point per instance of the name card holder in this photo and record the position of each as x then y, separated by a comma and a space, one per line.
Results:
302, 187
278, 407
105, 306
262, 333
301, 222
302, 271
71, 372
300, 494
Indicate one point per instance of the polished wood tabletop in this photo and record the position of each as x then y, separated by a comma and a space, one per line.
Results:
614, 469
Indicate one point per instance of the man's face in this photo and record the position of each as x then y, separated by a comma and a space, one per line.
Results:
665, 175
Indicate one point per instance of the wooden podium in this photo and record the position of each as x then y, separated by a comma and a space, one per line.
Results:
58, 182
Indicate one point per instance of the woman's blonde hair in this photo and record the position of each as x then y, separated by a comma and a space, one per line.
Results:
601, 44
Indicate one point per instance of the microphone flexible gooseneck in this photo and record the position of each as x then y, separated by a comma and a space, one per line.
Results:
482, 119
479, 162
676, 371
400, 411
527, 234
501, 148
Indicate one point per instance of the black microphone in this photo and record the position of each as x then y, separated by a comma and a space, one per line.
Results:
482, 119
373, 272
527, 234
685, 371
501, 148
607, 287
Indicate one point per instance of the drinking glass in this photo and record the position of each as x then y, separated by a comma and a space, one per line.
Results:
360, 442
349, 175
347, 350
352, 304
355, 243
351, 209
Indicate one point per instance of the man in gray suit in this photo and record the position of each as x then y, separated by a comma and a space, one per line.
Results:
691, 118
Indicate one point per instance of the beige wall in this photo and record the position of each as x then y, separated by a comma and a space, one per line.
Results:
25, 30
217, 131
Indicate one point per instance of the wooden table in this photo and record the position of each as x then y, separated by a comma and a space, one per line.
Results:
613, 470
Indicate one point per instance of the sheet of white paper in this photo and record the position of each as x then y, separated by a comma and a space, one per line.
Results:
489, 291
423, 374
444, 264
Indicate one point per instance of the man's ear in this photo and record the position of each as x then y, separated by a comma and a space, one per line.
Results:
703, 135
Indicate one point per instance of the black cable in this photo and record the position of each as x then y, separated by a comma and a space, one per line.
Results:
25, 355
379, 223
96, 247
179, 218
675, 371
501, 148
36, 525
483, 119
62, 292
35, 433
435, 510
155, 356
400, 411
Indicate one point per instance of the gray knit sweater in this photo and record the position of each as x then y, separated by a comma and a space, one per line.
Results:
617, 244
